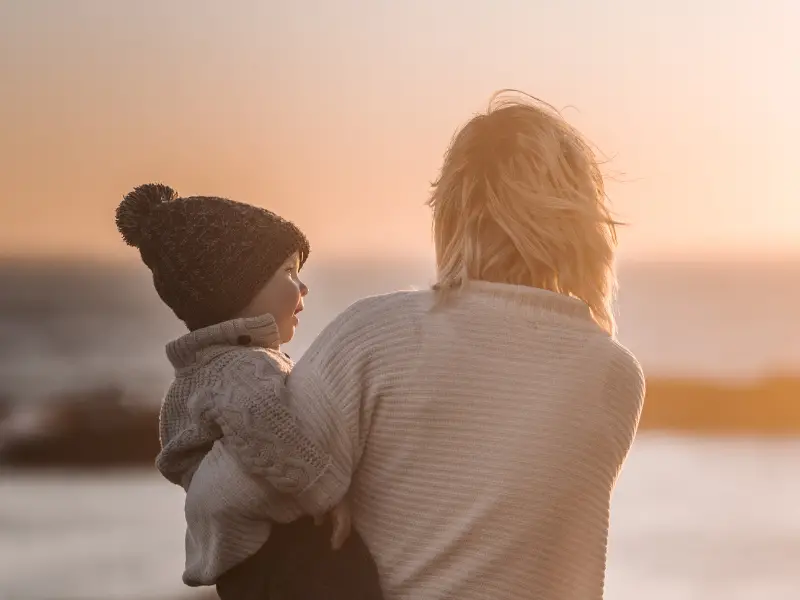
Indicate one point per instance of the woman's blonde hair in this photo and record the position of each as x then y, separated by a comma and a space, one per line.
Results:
520, 200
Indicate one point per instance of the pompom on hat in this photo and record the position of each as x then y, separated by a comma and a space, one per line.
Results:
134, 213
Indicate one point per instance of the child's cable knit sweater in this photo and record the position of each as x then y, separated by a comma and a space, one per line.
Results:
225, 411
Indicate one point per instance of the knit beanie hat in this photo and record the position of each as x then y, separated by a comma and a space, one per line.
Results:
209, 256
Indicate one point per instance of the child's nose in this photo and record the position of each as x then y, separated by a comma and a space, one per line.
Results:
303, 289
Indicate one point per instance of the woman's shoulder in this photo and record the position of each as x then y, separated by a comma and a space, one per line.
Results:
624, 371
379, 321
394, 306
408, 299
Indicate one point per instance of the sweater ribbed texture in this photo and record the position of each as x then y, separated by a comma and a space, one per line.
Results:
482, 439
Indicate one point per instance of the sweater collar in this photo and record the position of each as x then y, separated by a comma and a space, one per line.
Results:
259, 331
532, 297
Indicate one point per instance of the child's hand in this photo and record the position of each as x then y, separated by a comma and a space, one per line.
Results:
342, 523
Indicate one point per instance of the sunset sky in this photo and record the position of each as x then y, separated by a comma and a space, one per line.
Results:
336, 114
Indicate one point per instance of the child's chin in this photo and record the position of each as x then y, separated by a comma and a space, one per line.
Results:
287, 335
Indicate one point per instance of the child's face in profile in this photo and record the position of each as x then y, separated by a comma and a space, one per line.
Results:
282, 297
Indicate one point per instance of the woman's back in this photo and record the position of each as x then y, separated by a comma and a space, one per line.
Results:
484, 424
496, 427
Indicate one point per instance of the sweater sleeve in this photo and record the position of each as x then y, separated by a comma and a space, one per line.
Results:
333, 389
264, 436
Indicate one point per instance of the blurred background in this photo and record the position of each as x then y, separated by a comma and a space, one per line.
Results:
336, 115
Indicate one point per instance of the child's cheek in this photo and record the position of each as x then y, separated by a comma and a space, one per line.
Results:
290, 298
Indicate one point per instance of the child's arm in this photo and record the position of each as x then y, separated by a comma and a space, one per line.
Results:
265, 437
334, 390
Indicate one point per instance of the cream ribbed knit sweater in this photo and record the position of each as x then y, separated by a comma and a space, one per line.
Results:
483, 439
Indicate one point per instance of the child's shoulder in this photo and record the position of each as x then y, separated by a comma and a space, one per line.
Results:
249, 362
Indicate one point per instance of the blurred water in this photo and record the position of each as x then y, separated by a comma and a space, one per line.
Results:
691, 519
71, 325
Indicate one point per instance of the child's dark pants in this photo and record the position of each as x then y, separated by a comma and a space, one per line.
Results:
298, 563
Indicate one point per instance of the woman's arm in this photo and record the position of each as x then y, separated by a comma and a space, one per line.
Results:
331, 394
624, 392
333, 389
266, 438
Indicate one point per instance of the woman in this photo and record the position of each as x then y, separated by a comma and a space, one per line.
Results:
482, 424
